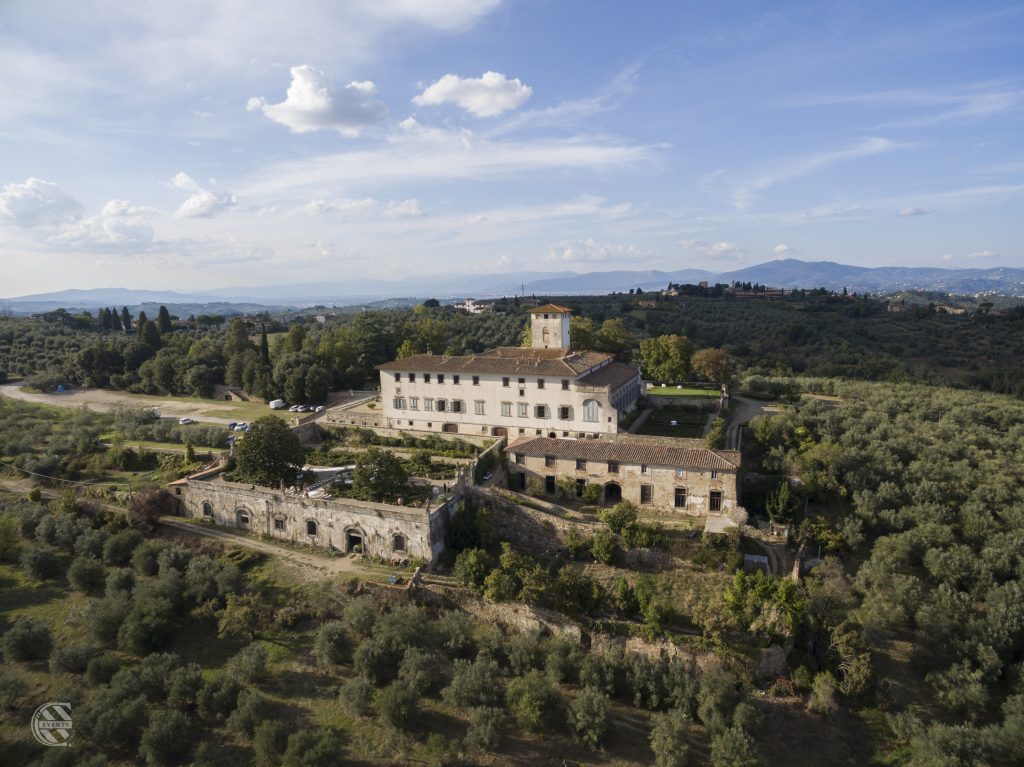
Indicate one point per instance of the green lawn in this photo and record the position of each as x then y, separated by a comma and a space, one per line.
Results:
689, 422
681, 391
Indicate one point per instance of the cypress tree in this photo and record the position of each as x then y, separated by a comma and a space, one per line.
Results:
126, 320
163, 321
143, 319
264, 346
115, 320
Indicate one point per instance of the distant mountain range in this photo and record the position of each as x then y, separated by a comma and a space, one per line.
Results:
787, 273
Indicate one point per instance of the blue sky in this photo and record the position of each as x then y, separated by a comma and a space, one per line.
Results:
202, 143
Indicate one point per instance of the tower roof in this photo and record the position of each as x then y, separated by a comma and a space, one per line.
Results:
550, 309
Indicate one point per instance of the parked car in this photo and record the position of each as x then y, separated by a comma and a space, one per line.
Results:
294, 409
185, 421
319, 408
241, 426
232, 425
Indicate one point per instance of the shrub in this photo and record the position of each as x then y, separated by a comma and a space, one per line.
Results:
562, 660
118, 550
534, 702
40, 562
361, 616
105, 617
357, 694
12, 689
475, 683
250, 710
183, 685
588, 714
592, 493
148, 625
419, 669
312, 748
72, 658
618, 516
112, 718
166, 739
217, 698
603, 547
670, 738
332, 645
733, 748
454, 630
823, 694
120, 582
91, 543
87, 575
250, 663
377, 659
9, 538
101, 669
269, 742
152, 674
485, 727
148, 506
145, 558
396, 704
471, 569
524, 652
27, 640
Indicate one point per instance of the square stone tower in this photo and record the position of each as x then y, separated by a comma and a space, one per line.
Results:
549, 327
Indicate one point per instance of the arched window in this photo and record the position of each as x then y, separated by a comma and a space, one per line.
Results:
590, 407
310, 527
207, 509
243, 516
398, 542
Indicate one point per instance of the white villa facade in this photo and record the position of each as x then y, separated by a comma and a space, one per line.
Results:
546, 390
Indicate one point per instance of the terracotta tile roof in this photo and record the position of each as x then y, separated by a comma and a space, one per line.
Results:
614, 374
510, 360
632, 452
550, 309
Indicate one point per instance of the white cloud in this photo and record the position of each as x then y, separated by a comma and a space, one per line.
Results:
312, 104
713, 250
119, 224
981, 254
403, 208
590, 251
745, 193
439, 14
782, 248
202, 202
37, 202
914, 211
485, 96
947, 257
363, 208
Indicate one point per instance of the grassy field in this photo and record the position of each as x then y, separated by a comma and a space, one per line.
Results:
689, 422
682, 391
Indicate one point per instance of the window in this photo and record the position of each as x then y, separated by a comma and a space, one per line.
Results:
646, 494
398, 542
310, 527
476, 380
549, 461
442, 405
506, 409
520, 459
506, 381
522, 392
590, 410
522, 382
565, 413
643, 468
398, 377
399, 403
455, 379
412, 378
680, 497
428, 403
540, 383
581, 464
278, 523
714, 475
426, 378
541, 411
613, 467
478, 407
565, 384
458, 406
207, 509
524, 410
414, 403
716, 500
440, 377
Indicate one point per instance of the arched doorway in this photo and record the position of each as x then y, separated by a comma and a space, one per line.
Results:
612, 492
450, 428
499, 431
552, 435
243, 518
355, 541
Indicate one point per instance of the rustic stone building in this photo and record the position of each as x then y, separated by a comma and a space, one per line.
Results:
660, 473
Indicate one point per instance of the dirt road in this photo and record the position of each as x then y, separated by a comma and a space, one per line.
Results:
742, 410
104, 400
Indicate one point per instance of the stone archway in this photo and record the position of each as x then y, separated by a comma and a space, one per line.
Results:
243, 518
612, 492
355, 541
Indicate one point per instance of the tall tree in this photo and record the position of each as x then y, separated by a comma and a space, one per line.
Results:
264, 346
713, 364
163, 321
126, 320
149, 334
666, 358
105, 318
143, 319
269, 452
